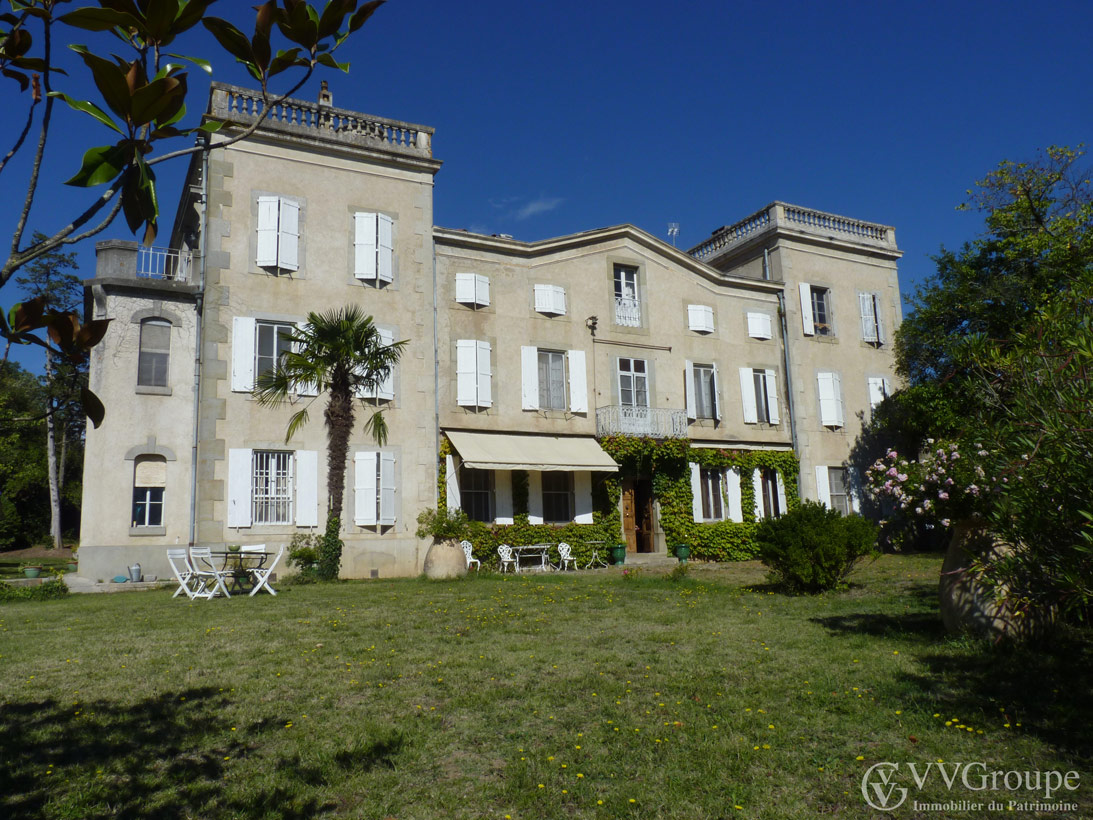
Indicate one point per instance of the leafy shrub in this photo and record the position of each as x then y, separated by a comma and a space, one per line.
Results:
813, 548
679, 572
54, 588
442, 523
329, 550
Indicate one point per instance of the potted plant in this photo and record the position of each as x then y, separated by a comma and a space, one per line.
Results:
445, 558
31, 570
302, 553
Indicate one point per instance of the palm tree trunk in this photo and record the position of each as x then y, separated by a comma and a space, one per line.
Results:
339, 426
51, 461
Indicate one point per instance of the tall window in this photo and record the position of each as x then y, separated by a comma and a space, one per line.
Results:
149, 480
762, 397
551, 380
271, 493
821, 311
476, 493
627, 302
711, 484
271, 343
768, 487
155, 353
836, 482
633, 383
557, 497
705, 391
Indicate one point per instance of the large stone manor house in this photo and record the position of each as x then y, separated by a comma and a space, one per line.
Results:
524, 359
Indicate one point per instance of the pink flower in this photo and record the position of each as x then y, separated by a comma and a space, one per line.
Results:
902, 476
944, 522
944, 496
892, 471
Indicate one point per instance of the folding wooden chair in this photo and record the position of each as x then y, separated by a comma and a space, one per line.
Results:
201, 560
262, 574
183, 570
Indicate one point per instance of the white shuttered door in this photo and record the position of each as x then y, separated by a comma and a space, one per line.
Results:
239, 487
364, 488
307, 488
364, 245
578, 382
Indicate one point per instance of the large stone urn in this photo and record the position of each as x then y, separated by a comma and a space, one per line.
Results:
445, 559
967, 603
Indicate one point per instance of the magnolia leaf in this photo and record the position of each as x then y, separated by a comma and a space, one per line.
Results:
91, 333
190, 14
25, 316
361, 15
88, 108
332, 16
160, 98
92, 406
284, 60
330, 62
22, 79
231, 39
200, 62
160, 17
100, 164
110, 79
102, 19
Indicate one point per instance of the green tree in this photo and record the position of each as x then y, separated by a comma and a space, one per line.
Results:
143, 106
340, 354
49, 280
23, 483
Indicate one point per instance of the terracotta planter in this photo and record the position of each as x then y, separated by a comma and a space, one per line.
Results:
968, 605
445, 559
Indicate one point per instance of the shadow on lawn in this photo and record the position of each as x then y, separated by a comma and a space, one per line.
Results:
161, 757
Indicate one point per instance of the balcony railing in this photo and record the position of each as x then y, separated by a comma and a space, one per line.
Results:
627, 311
655, 422
164, 263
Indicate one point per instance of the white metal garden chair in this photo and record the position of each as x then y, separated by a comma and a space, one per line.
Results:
262, 574
504, 552
467, 551
183, 570
205, 571
565, 556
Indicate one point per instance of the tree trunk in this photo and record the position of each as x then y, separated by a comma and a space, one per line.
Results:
339, 425
51, 461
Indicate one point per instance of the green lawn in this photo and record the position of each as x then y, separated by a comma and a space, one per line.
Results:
11, 567
528, 697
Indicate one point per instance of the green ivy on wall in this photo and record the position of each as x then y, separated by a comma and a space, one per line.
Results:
667, 462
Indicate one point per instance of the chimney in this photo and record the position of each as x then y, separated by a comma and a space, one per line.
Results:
325, 97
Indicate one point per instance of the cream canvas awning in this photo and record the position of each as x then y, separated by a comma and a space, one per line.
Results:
501, 451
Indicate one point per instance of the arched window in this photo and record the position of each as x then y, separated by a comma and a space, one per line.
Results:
149, 483
155, 353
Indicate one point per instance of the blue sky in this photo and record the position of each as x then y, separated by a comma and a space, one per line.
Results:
559, 117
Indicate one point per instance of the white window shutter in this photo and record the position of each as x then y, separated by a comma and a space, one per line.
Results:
868, 317
823, 487
578, 382
879, 314
466, 372
747, 395
386, 388
544, 299
244, 329
732, 491
364, 488
364, 245
307, 488
385, 248
757, 488
268, 210
582, 497
696, 491
715, 394
689, 389
771, 382
535, 497
831, 405
807, 322
502, 493
481, 290
559, 300
240, 484
288, 235
451, 483
387, 489
485, 372
700, 318
529, 378
853, 480
877, 390
464, 288
781, 493
759, 326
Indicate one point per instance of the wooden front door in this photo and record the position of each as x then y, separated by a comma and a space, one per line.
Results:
637, 514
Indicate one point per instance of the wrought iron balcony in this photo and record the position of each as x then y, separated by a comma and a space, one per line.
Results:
627, 312
164, 263
655, 422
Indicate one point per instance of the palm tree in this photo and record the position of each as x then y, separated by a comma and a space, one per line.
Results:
339, 353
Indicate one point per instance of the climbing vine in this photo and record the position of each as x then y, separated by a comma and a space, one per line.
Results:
667, 462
